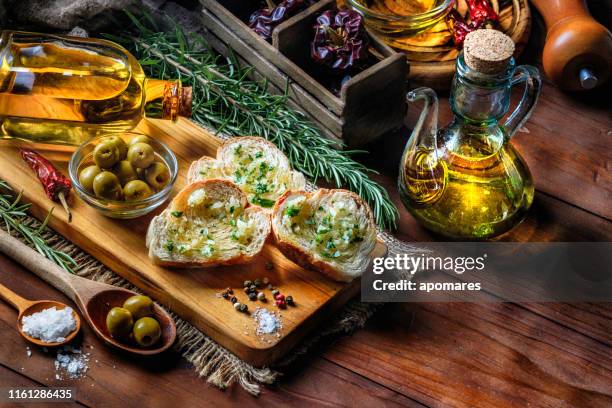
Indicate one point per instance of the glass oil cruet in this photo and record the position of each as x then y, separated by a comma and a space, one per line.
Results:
466, 181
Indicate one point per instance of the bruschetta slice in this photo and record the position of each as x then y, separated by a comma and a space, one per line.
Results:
208, 223
331, 231
257, 166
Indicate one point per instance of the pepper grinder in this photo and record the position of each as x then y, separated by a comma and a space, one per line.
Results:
578, 50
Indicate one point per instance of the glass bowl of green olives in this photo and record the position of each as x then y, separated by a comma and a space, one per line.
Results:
123, 176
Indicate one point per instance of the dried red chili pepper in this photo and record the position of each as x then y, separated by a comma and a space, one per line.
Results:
263, 21
56, 185
339, 40
481, 12
459, 28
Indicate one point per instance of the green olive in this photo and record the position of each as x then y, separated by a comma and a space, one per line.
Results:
136, 190
87, 175
106, 185
140, 139
146, 331
141, 155
157, 175
139, 305
119, 322
120, 144
106, 154
124, 172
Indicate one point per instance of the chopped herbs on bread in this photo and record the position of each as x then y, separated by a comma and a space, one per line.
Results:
208, 223
257, 166
332, 231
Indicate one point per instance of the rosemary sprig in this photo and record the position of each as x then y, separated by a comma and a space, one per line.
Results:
226, 100
13, 214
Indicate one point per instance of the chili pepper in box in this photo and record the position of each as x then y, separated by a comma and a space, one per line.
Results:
339, 40
56, 185
264, 21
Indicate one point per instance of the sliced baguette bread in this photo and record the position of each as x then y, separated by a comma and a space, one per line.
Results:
208, 223
257, 166
331, 231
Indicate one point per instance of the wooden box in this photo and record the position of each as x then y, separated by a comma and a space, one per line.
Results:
368, 105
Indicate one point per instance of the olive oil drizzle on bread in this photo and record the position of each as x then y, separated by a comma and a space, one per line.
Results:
257, 166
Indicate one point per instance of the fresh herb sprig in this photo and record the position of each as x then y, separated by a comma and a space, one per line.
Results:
225, 99
13, 214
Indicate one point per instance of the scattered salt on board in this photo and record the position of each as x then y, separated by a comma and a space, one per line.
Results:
49, 325
267, 322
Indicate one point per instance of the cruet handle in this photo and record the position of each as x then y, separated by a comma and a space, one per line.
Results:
533, 84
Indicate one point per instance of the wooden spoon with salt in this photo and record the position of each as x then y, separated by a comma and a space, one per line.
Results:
28, 307
94, 299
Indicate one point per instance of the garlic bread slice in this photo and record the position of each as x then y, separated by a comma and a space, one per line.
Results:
208, 223
257, 166
331, 231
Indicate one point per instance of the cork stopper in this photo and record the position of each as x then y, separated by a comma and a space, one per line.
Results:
487, 51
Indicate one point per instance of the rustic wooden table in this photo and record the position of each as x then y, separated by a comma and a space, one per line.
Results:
428, 354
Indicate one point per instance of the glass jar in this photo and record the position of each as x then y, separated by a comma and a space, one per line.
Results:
398, 28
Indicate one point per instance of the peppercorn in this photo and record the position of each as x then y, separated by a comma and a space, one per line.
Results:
280, 297
233, 299
270, 287
289, 300
237, 306
244, 308
252, 296
229, 290
280, 303
261, 296
247, 289
266, 280
275, 292
225, 295
257, 282
247, 283
253, 288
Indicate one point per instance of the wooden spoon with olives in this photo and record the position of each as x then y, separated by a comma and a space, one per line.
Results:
94, 299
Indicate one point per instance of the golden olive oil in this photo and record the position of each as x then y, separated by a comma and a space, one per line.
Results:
462, 196
65, 90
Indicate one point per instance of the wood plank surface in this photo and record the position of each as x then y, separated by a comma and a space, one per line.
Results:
495, 355
191, 293
115, 379
438, 355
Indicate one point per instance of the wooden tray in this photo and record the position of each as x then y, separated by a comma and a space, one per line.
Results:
120, 245
370, 104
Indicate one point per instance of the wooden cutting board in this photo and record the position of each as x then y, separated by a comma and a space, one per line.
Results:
191, 293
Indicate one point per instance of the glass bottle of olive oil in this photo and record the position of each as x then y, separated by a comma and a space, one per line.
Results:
65, 90
466, 180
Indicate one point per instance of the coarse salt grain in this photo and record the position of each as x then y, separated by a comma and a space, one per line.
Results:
71, 362
49, 325
267, 323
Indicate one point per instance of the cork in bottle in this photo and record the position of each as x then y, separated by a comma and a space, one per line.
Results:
487, 51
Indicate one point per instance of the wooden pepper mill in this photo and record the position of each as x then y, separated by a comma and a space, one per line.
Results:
578, 50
